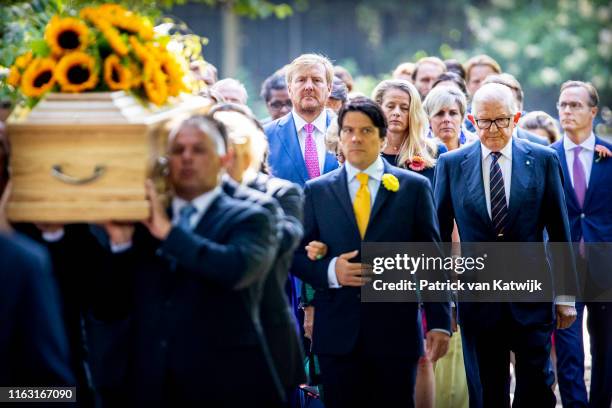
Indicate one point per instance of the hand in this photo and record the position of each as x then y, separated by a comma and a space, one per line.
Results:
5, 226
158, 223
308, 321
316, 250
436, 345
349, 273
119, 233
566, 315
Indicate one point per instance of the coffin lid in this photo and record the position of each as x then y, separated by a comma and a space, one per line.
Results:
104, 108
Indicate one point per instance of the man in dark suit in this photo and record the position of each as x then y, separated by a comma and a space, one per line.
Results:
368, 351
517, 91
588, 177
284, 201
191, 285
504, 189
33, 345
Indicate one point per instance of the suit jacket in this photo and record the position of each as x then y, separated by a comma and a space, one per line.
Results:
593, 222
276, 315
536, 202
33, 345
193, 305
286, 159
340, 317
533, 138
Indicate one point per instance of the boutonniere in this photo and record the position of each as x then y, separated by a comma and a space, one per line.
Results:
602, 153
416, 163
390, 182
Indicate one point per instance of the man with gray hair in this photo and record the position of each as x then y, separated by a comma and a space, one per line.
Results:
232, 90
504, 189
189, 284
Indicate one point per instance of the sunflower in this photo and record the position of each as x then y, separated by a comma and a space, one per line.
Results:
140, 50
136, 74
116, 76
66, 34
14, 77
22, 61
76, 72
154, 82
38, 78
174, 73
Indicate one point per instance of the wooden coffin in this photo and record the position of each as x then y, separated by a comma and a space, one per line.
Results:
85, 157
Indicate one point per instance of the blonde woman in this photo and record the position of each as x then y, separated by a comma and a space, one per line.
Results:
407, 145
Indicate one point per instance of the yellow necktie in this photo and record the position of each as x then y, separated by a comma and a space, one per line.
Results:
361, 205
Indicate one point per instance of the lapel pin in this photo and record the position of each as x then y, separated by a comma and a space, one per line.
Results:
528, 162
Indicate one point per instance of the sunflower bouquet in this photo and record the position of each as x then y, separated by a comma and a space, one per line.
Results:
104, 48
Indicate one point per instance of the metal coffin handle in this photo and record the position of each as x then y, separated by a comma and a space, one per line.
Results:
57, 172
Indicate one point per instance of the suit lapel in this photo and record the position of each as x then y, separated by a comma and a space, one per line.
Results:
597, 172
289, 140
522, 172
570, 194
339, 186
472, 169
207, 225
381, 195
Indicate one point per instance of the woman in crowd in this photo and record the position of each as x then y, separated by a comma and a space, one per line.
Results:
542, 124
407, 145
445, 107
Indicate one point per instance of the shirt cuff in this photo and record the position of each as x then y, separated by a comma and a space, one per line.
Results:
442, 331
332, 279
564, 300
53, 236
119, 248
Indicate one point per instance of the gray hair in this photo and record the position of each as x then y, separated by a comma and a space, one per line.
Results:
205, 126
231, 83
494, 92
339, 90
444, 97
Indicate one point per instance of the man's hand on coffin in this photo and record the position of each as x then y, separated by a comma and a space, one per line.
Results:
159, 224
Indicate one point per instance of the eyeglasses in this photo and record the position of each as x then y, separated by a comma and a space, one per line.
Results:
500, 123
280, 104
573, 106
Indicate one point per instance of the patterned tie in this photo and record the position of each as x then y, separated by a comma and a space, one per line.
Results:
361, 205
579, 189
185, 217
311, 157
579, 176
499, 208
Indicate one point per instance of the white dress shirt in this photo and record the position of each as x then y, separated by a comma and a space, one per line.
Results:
320, 127
585, 156
375, 173
505, 163
201, 204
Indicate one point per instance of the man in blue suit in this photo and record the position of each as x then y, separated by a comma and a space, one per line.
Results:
588, 177
504, 189
297, 140
368, 351
33, 345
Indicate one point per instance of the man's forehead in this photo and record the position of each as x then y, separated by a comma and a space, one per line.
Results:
429, 68
575, 93
314, 69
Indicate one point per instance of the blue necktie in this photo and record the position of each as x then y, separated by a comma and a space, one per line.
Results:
185, 216
499, 209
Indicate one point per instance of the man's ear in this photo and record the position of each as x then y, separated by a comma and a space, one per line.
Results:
472, 119
517, 116
228, 158
594, 111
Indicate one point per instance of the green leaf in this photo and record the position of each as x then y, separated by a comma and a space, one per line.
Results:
40, 48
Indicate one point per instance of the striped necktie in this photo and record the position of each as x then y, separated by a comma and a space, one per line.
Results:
499, 208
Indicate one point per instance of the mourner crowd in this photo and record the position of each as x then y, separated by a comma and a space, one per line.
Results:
244, 289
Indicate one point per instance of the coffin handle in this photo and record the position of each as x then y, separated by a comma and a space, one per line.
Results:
58, 173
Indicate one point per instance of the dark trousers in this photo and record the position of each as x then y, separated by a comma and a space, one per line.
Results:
362, 380
488, 363
570, 357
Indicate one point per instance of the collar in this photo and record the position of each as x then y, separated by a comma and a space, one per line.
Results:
588, 144
320, 123
201, 202
506, 151
374, 171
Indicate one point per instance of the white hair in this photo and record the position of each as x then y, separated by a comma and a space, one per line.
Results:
231, 83
494, 92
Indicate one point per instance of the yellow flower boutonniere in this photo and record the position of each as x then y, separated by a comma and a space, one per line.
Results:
390, 182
